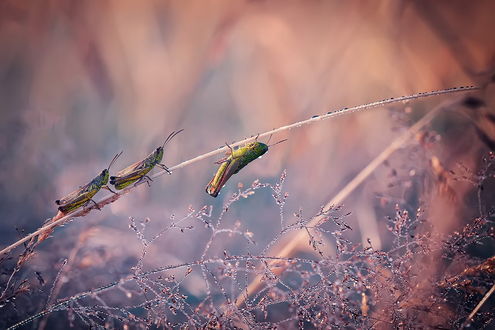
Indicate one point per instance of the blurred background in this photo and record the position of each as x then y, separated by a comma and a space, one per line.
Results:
81, 81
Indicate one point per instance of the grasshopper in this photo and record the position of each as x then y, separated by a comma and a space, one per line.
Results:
236, 160
84, 194
138, 171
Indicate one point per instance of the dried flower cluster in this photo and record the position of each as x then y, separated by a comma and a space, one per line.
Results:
357, 286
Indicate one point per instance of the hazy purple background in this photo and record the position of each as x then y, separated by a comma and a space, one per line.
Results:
80, 82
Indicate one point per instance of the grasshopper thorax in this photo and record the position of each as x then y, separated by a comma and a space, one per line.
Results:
258, 147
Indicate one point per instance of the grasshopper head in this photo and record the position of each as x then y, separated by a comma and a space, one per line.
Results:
258, 148
158, 155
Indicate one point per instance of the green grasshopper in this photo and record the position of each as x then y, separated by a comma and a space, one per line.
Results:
84, 194
138, 171
235, 161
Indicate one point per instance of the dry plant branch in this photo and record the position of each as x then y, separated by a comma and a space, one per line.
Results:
477, 308
61, 218
94, 292
288, 248
488, 266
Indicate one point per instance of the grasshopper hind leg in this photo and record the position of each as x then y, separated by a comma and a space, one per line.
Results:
109, 189
92, 200
145, 178
148, 180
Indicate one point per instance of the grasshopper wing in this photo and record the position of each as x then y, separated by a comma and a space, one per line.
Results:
121, 182
73, 195
76, 202
130, 169
228, 168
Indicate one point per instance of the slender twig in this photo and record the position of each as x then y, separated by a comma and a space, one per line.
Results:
477, 308
92, 293
65, 270
61, 218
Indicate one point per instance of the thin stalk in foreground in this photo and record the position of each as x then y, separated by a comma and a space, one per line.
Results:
477, 308
94, 292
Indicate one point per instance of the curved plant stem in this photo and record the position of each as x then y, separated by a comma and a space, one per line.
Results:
477, 308
61, 218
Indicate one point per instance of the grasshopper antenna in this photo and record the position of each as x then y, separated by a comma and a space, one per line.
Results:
277, 142
228, 145
171, 136
114, 159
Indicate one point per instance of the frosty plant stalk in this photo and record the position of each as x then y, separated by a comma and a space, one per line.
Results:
61, 218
